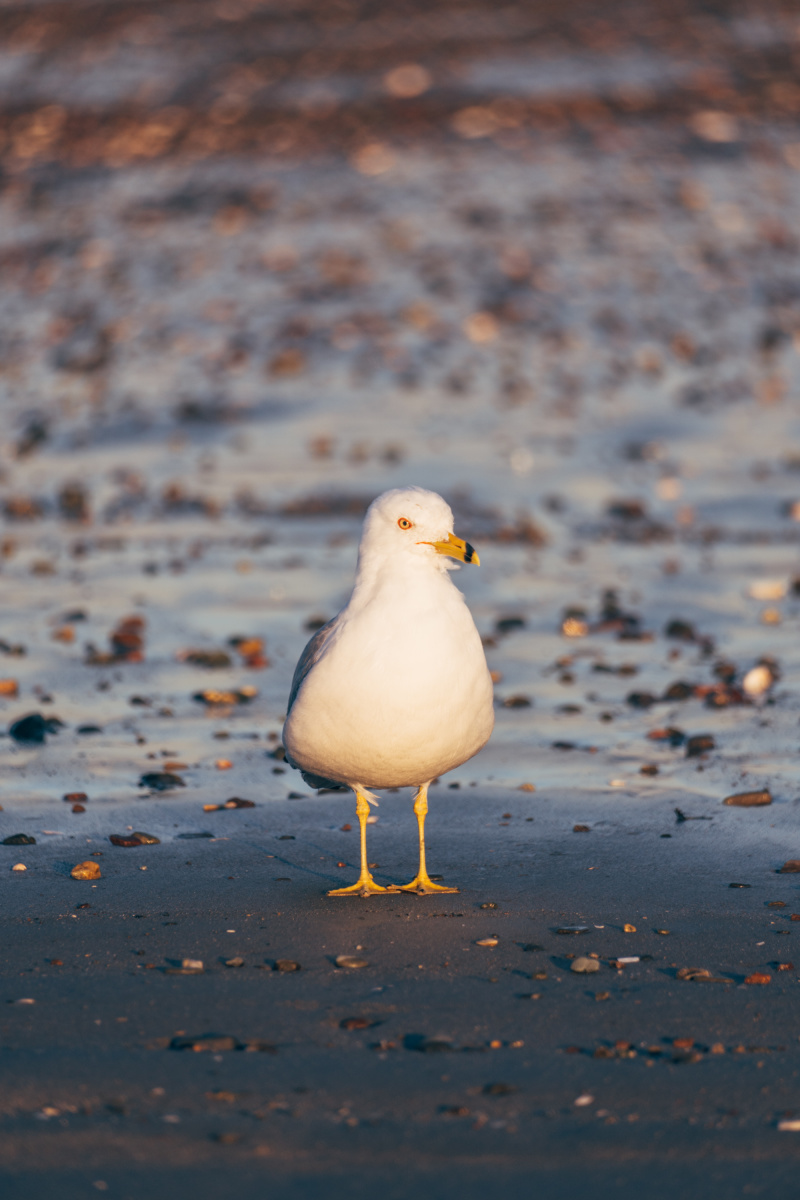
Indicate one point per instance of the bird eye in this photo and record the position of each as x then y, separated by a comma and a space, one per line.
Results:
404, 523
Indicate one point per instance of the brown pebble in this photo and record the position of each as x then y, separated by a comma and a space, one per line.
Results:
702, 743
790, 867
214, 1043
286, 964
749, 799
641, 699
212, 696
759, 977
86, 870
581, 829
134, 839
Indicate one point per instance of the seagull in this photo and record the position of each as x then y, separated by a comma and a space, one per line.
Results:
395, 690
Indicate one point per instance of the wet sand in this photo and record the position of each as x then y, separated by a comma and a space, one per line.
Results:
249, 282
464, 1068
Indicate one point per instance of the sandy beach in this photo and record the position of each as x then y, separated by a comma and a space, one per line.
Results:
261, 262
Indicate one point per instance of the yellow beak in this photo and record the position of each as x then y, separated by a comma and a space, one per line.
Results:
455, 547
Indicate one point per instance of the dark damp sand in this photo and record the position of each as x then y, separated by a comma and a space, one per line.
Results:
337, 1110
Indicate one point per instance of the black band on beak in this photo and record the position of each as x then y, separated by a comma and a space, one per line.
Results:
469, 553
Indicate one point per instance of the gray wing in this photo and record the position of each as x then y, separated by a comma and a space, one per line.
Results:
311, 655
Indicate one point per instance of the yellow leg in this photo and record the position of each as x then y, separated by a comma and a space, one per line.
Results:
423, 885
366, 885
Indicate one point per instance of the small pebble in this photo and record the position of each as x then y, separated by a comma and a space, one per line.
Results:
584, 966
693, 973
161, 781
701, 744
351, 963
134, 839
19, 867
86, 870
214, 1043
748, 799
757, 681
767, 589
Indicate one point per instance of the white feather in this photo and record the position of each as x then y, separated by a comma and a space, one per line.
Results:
398, 691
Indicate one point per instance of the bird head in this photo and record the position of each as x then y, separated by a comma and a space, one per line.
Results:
412, 523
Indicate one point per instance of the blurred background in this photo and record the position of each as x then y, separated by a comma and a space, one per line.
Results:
262, 259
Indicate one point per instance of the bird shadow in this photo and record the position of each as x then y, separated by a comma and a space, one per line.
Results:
313, 872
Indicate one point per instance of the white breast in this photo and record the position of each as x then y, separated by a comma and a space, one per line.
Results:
400, 694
